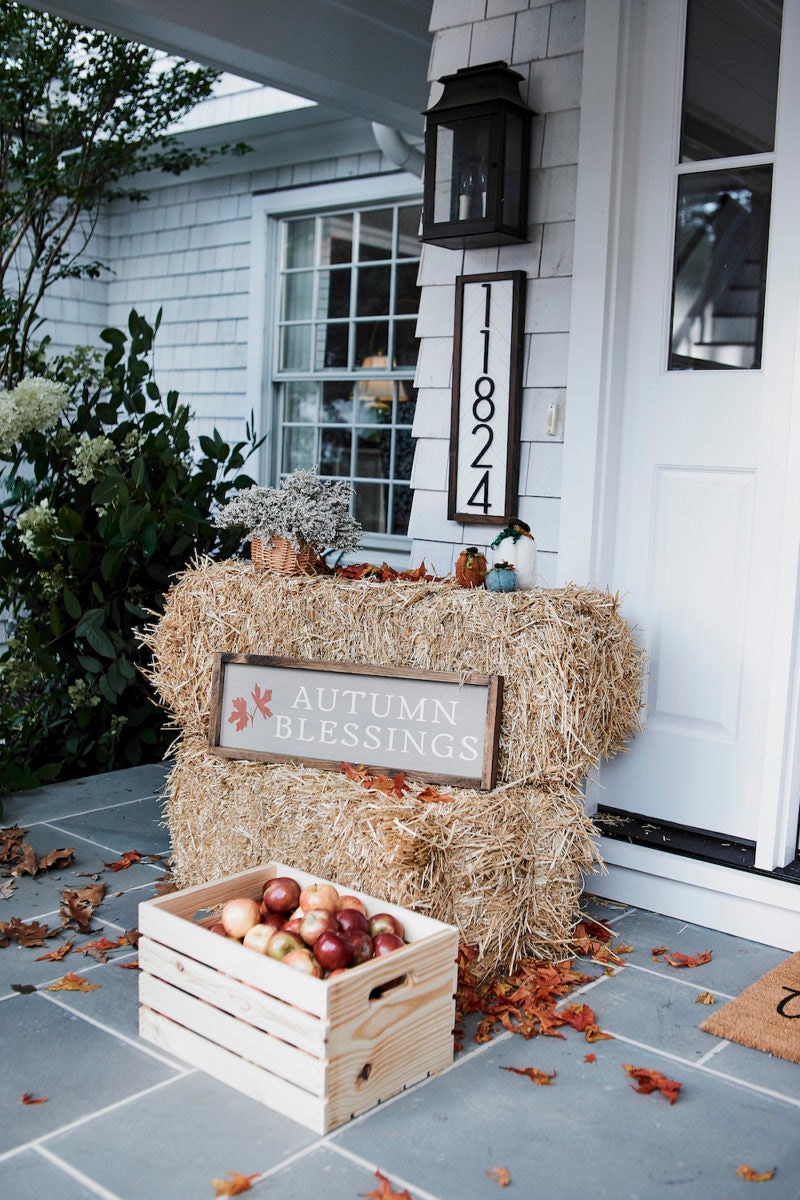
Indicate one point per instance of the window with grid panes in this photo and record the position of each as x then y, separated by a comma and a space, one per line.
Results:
346, 354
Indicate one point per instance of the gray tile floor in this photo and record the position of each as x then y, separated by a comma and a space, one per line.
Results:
124, 1121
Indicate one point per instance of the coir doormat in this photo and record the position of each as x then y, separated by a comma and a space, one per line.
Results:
767, 1014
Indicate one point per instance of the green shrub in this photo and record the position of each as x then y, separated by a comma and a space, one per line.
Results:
105, 500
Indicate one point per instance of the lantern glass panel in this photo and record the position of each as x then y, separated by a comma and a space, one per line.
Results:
462, 169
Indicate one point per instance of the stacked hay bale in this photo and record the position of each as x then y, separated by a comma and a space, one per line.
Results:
505, 866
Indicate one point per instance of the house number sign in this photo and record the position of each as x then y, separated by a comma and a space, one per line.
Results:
486, 406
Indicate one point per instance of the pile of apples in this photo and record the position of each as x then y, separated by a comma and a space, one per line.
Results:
312, 929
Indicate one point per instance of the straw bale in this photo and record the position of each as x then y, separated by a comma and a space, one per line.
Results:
505, 866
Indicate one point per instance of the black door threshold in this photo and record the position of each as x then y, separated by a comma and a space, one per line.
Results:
700, 844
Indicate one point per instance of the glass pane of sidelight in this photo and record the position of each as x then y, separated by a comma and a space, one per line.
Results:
720, 269
299, 448
302, 401
300, 242
336, 243
334, 453
375, 239
730, 87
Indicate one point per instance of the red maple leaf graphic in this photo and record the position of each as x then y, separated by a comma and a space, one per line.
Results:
260, 698
240, 716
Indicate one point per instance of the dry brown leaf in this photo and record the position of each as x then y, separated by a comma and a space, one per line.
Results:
24, 989
32, 934
623, 948
590, 1058
7, 889
130, 966
539, 1077
233, 1186
55, 955
386, 1192
595, 1034
750, 1176
432, 793
10, 842
651, 1081
27, 863
72, 983
499, 1175
29, 1098
78, 904
705, 998
57, 859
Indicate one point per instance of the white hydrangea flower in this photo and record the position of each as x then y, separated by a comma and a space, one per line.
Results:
35, 403
87, 456
36, 525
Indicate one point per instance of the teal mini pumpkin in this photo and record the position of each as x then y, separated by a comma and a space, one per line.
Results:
501, 578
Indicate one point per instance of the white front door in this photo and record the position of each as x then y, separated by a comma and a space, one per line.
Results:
703, 361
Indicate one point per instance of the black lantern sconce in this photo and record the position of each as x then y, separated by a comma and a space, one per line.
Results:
477, 157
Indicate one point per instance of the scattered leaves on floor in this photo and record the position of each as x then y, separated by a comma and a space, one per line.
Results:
499, 1175
165, 885
24, 989
705, 998
233, 1186
7, 889
34, 933
676, 959
582, 1018
590, 1058
130, 966
29, 1098
72, 983
750, 1176
386, 1192
523, 1002
536, 1076
56, 955
10, 843
127, 860
592, 939
652, 1081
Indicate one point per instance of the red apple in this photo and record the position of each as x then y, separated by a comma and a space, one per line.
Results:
332, 951
240, 914
281, 894
385, 943
360, 944
315, 922
319, 895
385, 923
303, 960
353, 902
351, 918
282, 943
274, 920
219, 928
258, 937
293, 924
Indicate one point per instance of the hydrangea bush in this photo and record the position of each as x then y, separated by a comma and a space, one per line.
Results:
103, 498
304, 509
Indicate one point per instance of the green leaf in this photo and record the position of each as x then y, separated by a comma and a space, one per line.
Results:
72, 604
90, 626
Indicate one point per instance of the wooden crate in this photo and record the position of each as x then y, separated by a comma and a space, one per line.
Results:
320, 1051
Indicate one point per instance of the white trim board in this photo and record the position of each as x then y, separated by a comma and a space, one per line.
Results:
741, 903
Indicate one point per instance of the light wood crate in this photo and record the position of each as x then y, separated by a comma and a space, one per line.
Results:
320, 1051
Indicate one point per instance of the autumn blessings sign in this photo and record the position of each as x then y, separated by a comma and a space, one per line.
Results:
434, 725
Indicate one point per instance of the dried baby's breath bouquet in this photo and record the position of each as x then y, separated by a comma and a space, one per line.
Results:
304, 509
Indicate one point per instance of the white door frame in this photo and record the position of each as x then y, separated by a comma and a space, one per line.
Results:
594, 391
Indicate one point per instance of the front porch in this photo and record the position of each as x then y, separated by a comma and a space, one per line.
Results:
124, 1121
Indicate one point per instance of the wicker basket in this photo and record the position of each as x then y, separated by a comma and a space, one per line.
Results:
280, 555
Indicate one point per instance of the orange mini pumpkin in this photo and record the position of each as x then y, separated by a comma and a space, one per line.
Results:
471, 568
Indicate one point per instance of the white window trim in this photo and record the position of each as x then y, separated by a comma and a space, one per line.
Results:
267, 210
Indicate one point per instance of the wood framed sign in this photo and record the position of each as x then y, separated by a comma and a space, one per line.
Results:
435, 725
487, 398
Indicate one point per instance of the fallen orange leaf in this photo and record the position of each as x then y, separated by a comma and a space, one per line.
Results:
130, 966
386, 1192
623, 948
499, 1175
676, 959
29, 1098
55, 955
72, 983
651, 1081
127, 860
595, 1034
102, 944
750, 1176
539, 1077
590, 1058
705, 998
233, 1186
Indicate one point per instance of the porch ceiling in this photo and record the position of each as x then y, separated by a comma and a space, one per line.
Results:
367, 57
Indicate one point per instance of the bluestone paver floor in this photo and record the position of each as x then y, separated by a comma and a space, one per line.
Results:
125, 1121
